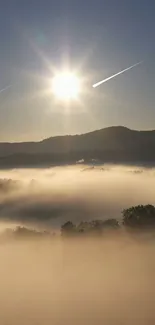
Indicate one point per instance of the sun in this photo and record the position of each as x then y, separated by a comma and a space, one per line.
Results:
66, 86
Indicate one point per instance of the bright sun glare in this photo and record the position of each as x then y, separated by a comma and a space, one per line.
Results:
66, 86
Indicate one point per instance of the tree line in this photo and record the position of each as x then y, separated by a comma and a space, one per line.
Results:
138, 218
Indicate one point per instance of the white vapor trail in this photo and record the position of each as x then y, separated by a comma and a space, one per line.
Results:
115, 75
1, 90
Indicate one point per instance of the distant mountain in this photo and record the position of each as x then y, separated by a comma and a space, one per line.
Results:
113, 145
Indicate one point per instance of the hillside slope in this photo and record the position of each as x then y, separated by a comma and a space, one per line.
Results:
113, 144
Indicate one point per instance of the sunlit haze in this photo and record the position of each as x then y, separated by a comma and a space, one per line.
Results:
78, 193
56, 280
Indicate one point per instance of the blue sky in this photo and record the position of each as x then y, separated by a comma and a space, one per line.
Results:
97, 38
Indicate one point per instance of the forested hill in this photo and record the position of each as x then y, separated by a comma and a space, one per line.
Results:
114, 145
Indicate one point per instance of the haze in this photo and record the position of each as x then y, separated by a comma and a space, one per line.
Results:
75, 281
55, 195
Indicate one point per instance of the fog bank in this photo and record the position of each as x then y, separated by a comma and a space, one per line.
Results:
77, 282
49, 197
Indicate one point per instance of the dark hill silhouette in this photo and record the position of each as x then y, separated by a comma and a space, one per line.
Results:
114, 145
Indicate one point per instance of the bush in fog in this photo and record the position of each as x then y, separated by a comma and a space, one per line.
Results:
25, 233
86, 227
139, 217
68, 228
7, 185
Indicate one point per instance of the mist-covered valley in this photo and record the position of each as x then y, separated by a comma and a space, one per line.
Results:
57, 280
49, 197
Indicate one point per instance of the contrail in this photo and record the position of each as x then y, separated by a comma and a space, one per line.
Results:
115, 75
1, 90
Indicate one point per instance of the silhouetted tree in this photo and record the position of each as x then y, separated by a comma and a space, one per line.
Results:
109, 224
139, 217
100, 226
84, 227
90, 227
23, 232
68, 228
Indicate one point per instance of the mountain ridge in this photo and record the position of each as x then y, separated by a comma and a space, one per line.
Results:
111, 144
79, 134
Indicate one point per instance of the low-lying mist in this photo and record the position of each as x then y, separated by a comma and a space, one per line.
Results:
82, 281
49, 197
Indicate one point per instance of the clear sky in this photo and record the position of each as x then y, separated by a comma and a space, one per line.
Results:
97, 38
